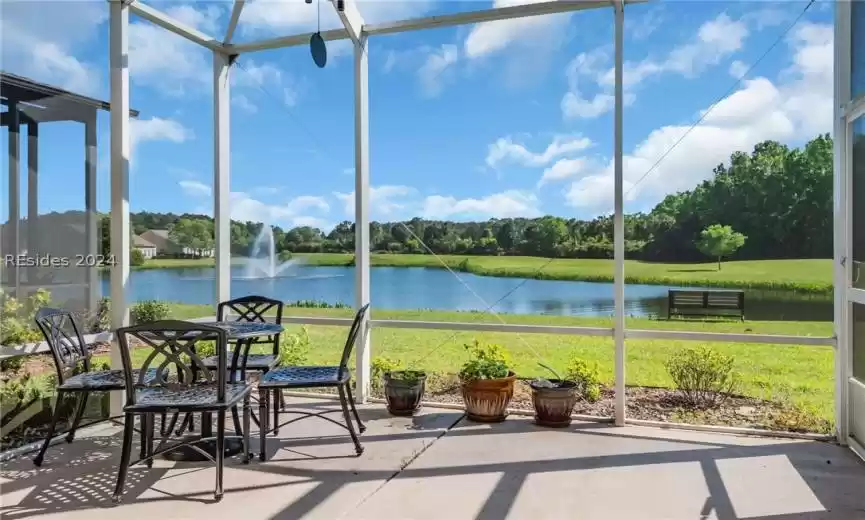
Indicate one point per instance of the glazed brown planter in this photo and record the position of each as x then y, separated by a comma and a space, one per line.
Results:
553, 406
403, 397
487, 400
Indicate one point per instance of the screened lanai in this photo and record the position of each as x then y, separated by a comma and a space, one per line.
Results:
849, 298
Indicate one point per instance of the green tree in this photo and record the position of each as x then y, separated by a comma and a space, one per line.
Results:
719, 241
136, 257
196, 234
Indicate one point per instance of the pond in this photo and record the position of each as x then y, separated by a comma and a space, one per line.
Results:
426, 288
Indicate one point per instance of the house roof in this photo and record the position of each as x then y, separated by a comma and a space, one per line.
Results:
13, 86
161, 233
137, 241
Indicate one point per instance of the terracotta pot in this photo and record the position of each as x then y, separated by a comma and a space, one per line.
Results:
487, 400
403, 397
553, 406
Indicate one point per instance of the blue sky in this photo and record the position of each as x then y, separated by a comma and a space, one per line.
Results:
504, 119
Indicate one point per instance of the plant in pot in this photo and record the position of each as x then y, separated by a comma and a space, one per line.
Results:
403, 388
487, 382
554, 399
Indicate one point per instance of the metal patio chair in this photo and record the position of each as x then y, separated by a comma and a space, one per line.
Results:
181, 383
249, 309
74, 376
293, 377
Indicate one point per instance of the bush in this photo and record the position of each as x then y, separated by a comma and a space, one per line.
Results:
488, 361
17, 319
294, 348
149, 310
703, 376
586, 376
379, 367
136, 257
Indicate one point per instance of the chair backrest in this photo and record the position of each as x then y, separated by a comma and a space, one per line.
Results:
171, 355
352, 338
60, 329
249, 309
252, 309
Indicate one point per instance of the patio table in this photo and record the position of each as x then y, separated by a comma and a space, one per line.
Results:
243, 334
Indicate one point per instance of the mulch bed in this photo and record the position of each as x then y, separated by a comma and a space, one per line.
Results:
651, 404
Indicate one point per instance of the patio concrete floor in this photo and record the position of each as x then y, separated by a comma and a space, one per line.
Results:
439, 466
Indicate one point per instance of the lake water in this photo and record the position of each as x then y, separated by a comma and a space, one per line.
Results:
425, 288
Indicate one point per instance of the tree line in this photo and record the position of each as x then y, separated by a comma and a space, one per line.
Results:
779, 197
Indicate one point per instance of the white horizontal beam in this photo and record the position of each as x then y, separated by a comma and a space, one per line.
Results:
350, 18
232, 22
485, 15
430, 22
161, 19
285, 41
492, 327
855, 109
724, 337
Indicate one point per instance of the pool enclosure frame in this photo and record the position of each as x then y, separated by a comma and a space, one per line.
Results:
354, 28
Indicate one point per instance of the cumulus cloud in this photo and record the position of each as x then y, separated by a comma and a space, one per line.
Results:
796, 107
511, 203
488, 38
385, 201
505, 150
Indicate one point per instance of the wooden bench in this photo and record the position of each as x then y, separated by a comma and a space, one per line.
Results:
706, 303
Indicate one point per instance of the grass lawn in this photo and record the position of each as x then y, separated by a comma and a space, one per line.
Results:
809, 276
802, 374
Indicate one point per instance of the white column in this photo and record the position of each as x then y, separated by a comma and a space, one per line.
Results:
619, 223
14, 196
842, 258
32, 196
91, 228
361, 213
119, 55
221, 175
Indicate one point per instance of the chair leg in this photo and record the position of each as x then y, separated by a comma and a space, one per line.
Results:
220, 452
263, 419
147, 438
79, 413
247, 413
357, 447
143, 423
55, 417
275, 406
125, 455
235, 417
360, 426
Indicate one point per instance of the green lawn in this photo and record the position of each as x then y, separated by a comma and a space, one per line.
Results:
801, 374
808, 276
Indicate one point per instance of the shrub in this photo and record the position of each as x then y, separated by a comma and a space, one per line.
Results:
136, 257
703, 376
379, 367
294, 348
586, 376
487, 361
149, 310
17, 319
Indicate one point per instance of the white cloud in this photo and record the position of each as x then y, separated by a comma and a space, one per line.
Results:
738, 69
157, 129
250, 74
166, 62
43, 47
243, 103
205, 19
385, 201
795, 108
290, 214
716, 39
564, 169
195, 188
641, 27
432, 74
512, 203
506, 150
488, 38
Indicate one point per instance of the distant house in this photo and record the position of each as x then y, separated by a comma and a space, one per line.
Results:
165, 246
147, 248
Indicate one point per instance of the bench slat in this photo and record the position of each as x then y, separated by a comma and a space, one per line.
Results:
706, 303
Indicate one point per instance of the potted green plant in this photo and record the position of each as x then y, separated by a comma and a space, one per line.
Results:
403, 388
554, 399
487, 382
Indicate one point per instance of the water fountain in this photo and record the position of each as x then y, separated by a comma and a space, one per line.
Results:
262, 261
